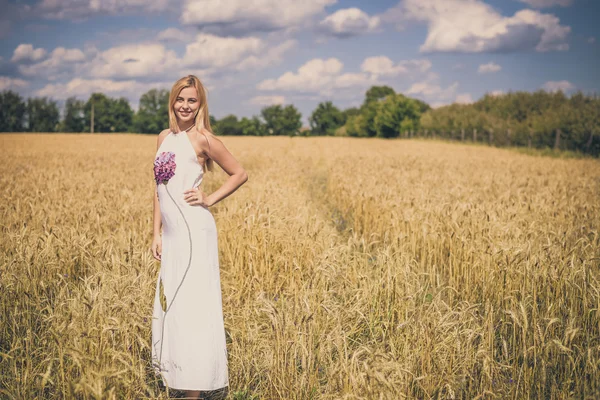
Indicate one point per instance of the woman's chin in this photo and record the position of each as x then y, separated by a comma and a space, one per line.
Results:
185, 118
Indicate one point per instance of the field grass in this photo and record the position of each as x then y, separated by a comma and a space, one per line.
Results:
351, 269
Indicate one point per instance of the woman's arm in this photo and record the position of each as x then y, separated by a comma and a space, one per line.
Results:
237, 174
157, 224
157, 220
156, 247
230, 186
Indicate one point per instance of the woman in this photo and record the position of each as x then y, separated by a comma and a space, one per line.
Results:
188, 334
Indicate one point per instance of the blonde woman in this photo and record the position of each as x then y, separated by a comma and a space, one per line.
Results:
188, 335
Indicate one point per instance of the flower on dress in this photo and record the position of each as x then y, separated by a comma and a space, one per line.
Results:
164, 167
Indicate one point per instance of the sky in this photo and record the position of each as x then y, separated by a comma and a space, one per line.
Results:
254, 53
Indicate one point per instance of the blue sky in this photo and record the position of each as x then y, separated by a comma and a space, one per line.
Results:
253, 53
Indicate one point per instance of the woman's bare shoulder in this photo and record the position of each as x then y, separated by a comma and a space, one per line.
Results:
161, 137
209, 138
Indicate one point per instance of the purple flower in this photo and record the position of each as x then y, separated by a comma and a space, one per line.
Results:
164, 167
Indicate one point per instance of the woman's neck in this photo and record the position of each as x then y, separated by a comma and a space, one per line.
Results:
186, 126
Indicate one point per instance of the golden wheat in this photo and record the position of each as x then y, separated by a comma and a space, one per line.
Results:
351, 269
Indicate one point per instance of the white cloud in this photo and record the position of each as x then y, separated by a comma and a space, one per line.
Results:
272, 56
239, 17
547, 3
207, 52
310, 77
348, 22
325, 78
472, 26
215, 51
267, 100
131, 61
496, 93
61, 61
489, 68
382, 65
554, 35
79, 10
464, 98
430, 90
25, 52
322, 76
7, 83
84, 87
395, 16
205, 55
352, 80
556, 86
67, 55
173, 34
446, 97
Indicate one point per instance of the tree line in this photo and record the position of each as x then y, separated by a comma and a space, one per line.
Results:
101, 113
536, 120
539, 120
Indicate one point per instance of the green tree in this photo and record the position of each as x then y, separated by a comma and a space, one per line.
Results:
355, 126
370, 106
349, 112
376, 93
252, 127
591, 125
281, 120
122, 114
369, 112
423, 107
42, 115
74, 119
325, 119
110, 115
103, 120
12, 112
229, 125
540, 119
428, 121
583, 123
395, 114
153, 114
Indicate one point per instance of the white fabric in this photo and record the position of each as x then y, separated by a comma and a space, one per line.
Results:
194, 353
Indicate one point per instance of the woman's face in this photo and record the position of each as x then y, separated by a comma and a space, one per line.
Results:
186, 105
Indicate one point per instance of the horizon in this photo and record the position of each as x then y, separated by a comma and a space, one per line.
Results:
440, 52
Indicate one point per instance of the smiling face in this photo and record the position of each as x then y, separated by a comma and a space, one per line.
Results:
186, 105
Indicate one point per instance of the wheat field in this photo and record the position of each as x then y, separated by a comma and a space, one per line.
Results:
350, 269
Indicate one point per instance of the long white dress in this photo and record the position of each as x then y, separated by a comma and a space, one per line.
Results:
188, 333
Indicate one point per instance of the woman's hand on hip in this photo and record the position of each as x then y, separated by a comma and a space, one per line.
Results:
196, 197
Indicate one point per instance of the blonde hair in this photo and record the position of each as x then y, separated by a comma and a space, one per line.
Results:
202, 118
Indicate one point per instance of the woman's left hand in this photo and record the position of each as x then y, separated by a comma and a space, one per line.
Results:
196, 197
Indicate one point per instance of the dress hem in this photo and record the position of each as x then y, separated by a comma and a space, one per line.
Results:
202, 390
